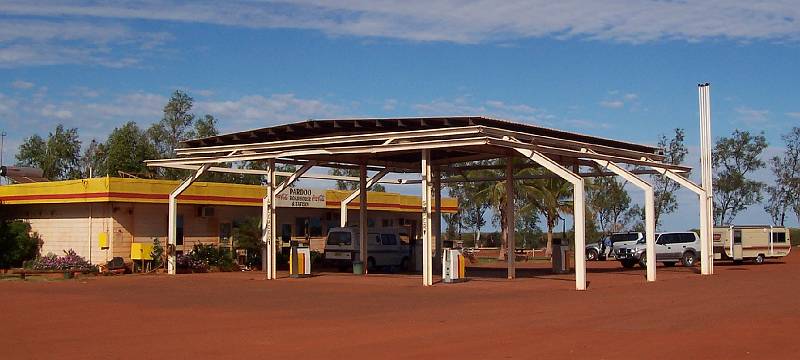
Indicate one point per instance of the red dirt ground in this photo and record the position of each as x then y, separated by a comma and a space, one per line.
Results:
745, 311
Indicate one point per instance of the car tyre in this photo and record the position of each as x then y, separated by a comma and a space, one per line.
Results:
592, 255
628, 263
688, 259
759, 259
643, 261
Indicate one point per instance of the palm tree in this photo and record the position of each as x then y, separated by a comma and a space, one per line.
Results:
551, 196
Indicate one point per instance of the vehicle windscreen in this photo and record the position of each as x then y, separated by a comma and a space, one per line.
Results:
624, 237
339, 237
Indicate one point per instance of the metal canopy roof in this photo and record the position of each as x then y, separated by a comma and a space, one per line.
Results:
351, 126
395, 143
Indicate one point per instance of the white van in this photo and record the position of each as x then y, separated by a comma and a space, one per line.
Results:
385, 247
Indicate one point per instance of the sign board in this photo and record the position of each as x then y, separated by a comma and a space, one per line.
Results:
300, 197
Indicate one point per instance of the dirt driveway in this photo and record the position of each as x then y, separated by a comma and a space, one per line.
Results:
745, 311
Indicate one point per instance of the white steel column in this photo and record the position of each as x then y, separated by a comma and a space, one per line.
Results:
707, 258
509, 220
427, 268
343, 206
268, 224
649, 213
578, 210
362, 217
705, 224
172, 231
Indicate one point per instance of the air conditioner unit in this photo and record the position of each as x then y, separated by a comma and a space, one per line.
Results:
205, 211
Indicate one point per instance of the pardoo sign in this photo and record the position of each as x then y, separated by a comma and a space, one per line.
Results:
299, 197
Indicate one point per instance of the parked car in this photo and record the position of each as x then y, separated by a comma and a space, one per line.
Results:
671, 247
385, 247
753, 242
594, 250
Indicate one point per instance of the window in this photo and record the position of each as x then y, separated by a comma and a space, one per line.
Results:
388, 239
179, 231
315, 226
386, 222
779, 237
685, 237
666, 239
339, 237
624, 237
286, 232
300, 226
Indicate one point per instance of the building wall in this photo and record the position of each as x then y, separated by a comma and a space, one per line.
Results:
67, 226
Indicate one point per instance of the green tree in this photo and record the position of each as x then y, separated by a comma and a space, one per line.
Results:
179, 124
17, 243
664, 189
125, 150
58, 156
92, 160
247, 236
551, 196
608, 201
784, 195
733, 158
352, 185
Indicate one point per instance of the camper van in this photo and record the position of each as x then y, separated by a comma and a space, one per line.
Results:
752, 242
386, 247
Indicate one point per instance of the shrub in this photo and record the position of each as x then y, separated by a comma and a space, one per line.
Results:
157, 254
17, 243
185, 262
70, 261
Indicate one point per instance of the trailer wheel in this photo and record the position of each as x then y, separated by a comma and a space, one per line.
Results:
404, 264
591, 255
759, 259
371, 264
688, 259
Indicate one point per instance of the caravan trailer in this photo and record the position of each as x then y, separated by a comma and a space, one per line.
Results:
751, 242
387, 247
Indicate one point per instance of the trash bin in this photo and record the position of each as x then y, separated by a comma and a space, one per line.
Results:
358, 268
559, 252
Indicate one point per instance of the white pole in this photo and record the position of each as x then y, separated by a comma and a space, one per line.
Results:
172, 222
707, 207
649, 213
578, 210
427, 269
362, 215
437, 209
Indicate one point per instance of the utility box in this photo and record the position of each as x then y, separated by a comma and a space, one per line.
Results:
560, 253
141, 251
453, 266
102, 240
299, 261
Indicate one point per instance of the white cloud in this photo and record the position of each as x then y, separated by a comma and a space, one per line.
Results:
477, 21
795, 114
752, 117
465, 105
260, 111
51, 111
389, 104
23, 85
26, 42
612, 104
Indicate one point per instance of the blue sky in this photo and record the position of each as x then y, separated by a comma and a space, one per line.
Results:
622, 69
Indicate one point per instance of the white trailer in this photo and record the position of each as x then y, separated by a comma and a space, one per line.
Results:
751, 242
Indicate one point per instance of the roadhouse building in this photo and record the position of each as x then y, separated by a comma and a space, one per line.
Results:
100, 218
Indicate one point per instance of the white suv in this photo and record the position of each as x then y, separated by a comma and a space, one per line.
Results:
671, 247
